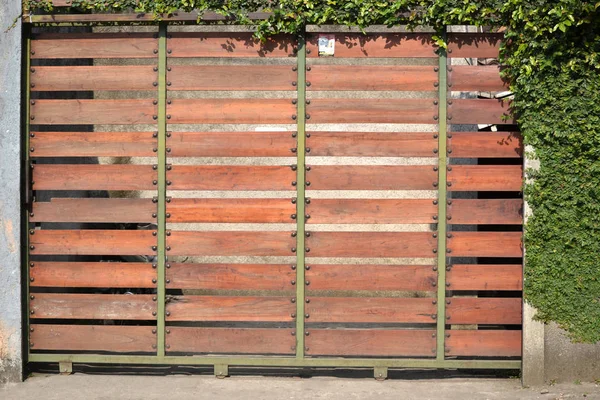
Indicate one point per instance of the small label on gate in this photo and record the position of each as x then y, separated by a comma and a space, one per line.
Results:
326, 45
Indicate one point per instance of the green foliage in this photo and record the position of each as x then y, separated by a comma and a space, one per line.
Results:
552, 55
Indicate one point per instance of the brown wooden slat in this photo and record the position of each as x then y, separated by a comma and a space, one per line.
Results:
92, 306
83, 112
370, 177
230, 340
371, 77
486, 145
371, 244
94, 177
93, 144
92, 242
474, 45
229, 308
92, 274
493, 178
135, 17
370, 310
371, 211
75, 78
231, 144
482, 310
231, 210
231, 276
371, 277
393, 111
486, 244
480, 111
371, 342
234, 177
94, 45
231, 111
486, 212
372, 144
232, 77
484, 343
112, 338
94, 210
228, 44
418, 45
187, 243
485, 277
484, 78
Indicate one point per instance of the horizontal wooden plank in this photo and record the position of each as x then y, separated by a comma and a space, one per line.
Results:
486, 244
474, 45
231, 144
480, 111
392, 45
92, 242
92, 306
493, 178
94, 177
231, 111
105, 77
371, 211
229, 308
371, 277
230, 340
482, 78
372, 144
485, 277
371, 77
231, 276
231, 177
93, 144
486, 212
371, 342
484, 310
228, 44
188, 243
231, 210
111, 338
393, 111
135, 17
84, 112
370, 177
94, 45
232, 77
371, 244
94, 210
92, 274
486, 145
370, 310
484, 343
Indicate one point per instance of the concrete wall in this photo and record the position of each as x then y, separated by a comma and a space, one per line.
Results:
11, 358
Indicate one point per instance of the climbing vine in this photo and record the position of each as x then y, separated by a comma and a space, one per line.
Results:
553, 63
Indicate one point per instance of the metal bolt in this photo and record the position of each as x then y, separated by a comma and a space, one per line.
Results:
169, 102
155, 150
294, 200
294, 234
435, 102
449, 168
434, 302
433, 284
447, 284
307, 200
153, 215
294, 83
168, 281
154, 313
168, 247
294, 101
448, 317
293, 149
293, 333
294, 134
294, 68
308, 251
155, 51
168, 184
153, 233
154, 298
293, 249
307, 216
153, 280
307, 83
155, 69
434, 235
293, 300
294, 167
307, 234
154, 83
307, 283
168, 83
169, 51
449, 102
307, 333
155, 117
32, 117
308, 101
449, 235
33, 102
436, 69
435, 117
168, 313
435, 268
154, 331
293, 315
168, 331
168, 215
31, 265
308, 148
435, 151
154, 248
307, 267
308, 68
154, 266
435, 184
294, 117
307, 116
449, 151
293, 216
168, 116
168, 266
449, 202
307, 51
307, 183
448, 302
434, 251
32, 247
31, 231
436, 84
435, 217
293, 267
449, 251
33, 85
307, 301
307, 315
449, 136
433, 316
31, 279
294, 183
155, 102
435, 202
449, 183
32, 312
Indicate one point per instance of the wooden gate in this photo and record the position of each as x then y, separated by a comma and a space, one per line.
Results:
202, 198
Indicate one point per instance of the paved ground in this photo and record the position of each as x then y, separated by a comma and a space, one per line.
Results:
403, 386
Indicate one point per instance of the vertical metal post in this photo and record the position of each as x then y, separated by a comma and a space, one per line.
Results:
162, 188
442, 202
27, 197
300, 203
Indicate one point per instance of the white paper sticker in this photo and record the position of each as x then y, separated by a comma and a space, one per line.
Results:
326, 45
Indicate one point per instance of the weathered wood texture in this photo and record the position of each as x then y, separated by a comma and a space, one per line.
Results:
484, 343
92, 242
486, 212
77, 78
485, 277
377, 45
393, 111
474, 45
372, 144
232, 77
94, 177
115, 338
230, 340
94, 210
93, 144
486, 145
485, 311
187, 243
369, 177
480, 111
491, 178
231, 144
486, 244
231, 111
370, 211
235, 177
84, 112
92, 306
231, 210
92, 274
228, 44
231, 276
229, 308
371, 342
483, 78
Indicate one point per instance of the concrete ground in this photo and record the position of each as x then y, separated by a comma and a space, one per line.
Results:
403, 386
